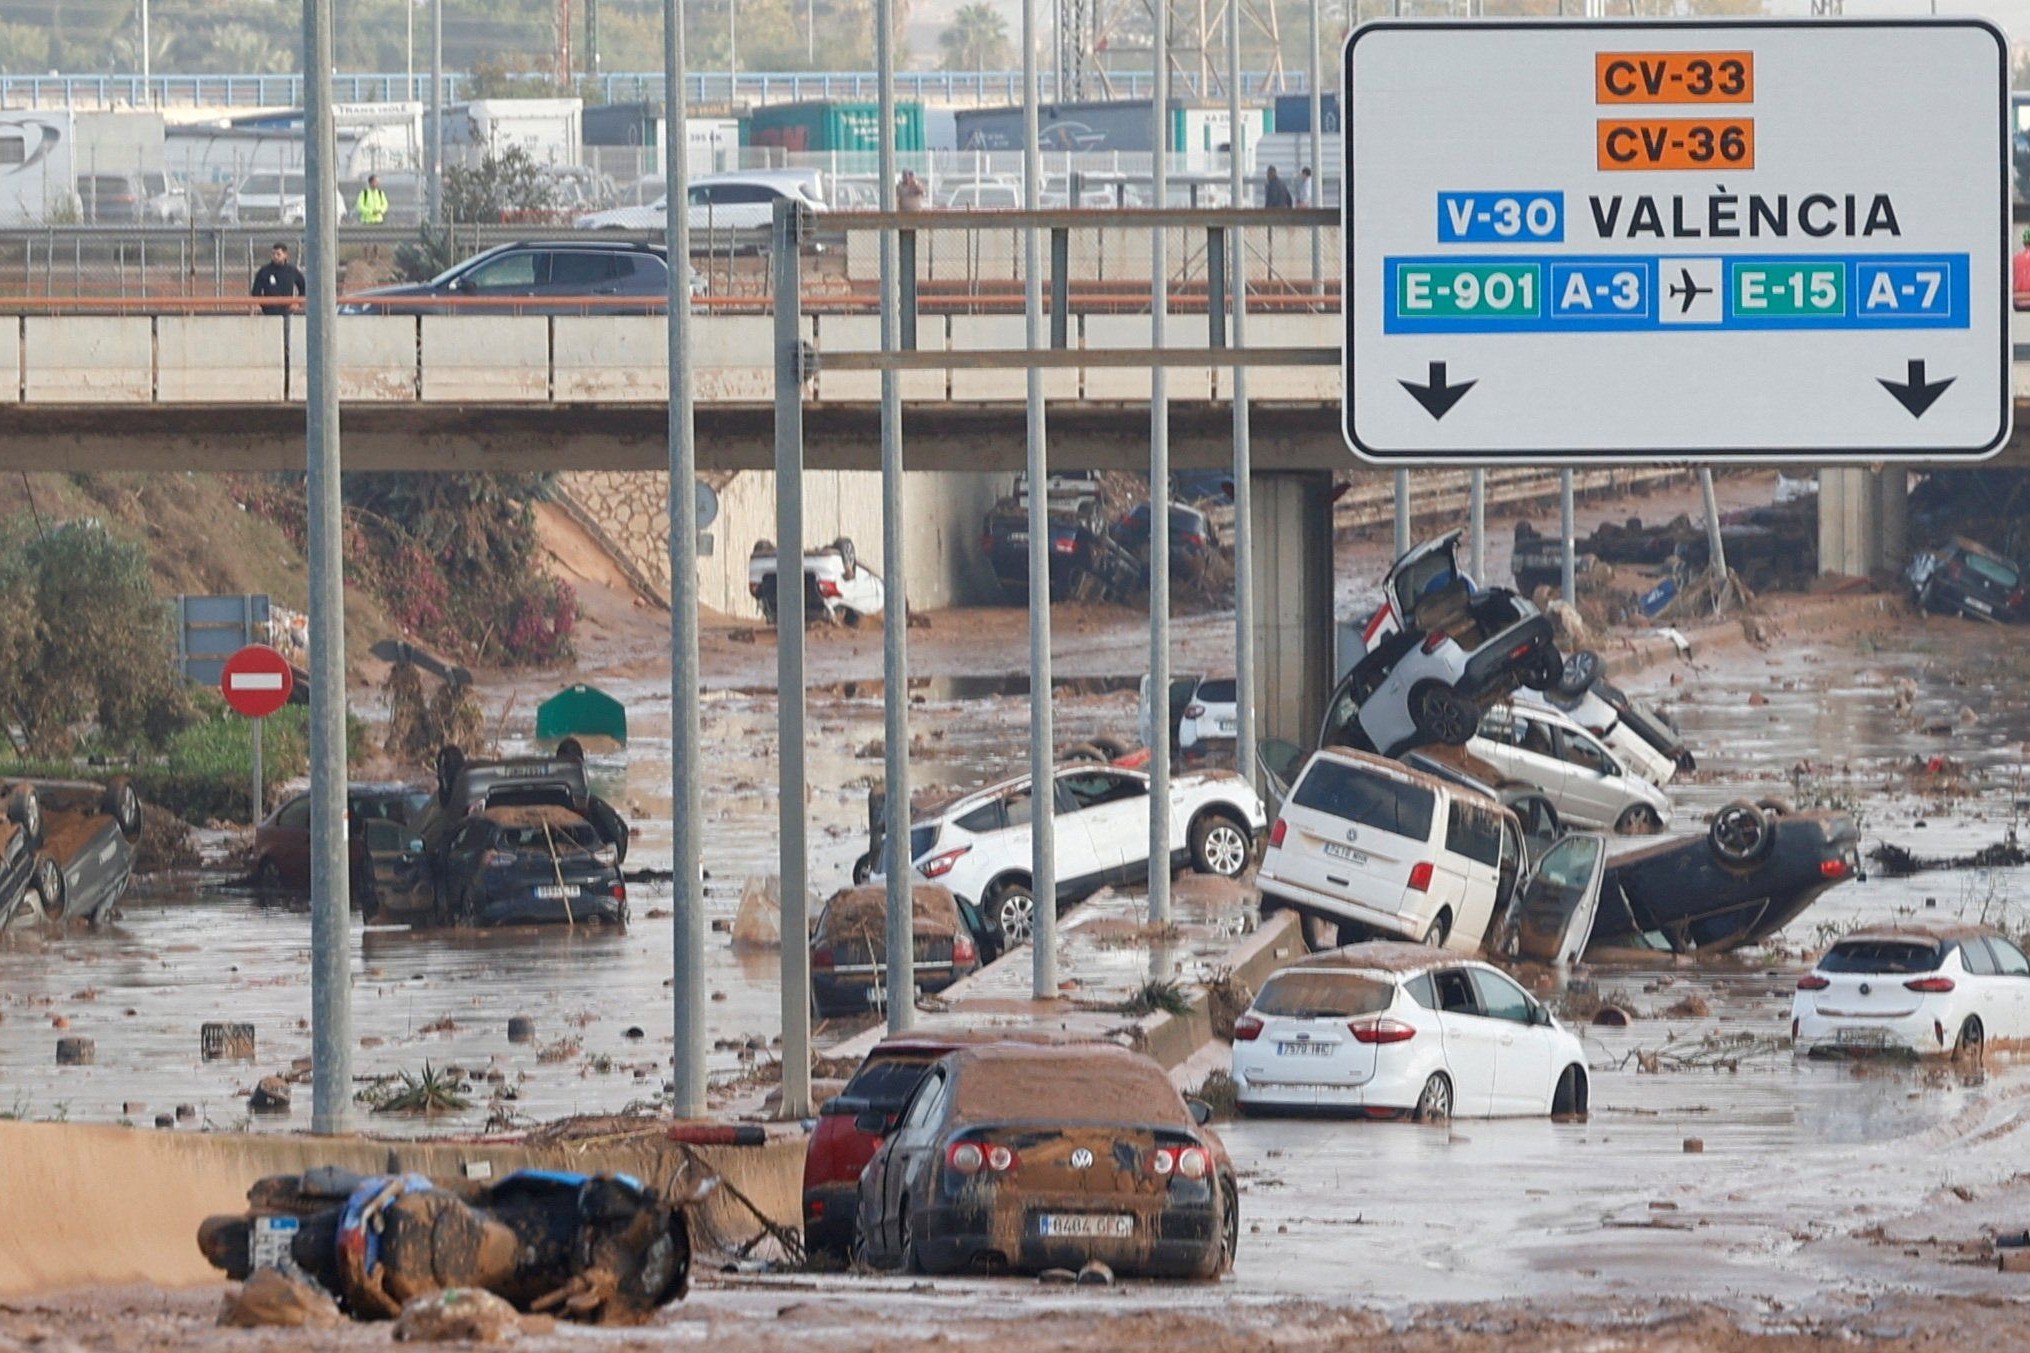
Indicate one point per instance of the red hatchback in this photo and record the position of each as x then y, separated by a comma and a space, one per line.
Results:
852, 1126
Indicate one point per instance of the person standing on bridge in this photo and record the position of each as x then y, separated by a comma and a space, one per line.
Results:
1275, 192
279, 277
910, 194
1304, 193
372, 207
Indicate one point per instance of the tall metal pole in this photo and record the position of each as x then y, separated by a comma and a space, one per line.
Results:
1568, 565
146, 96
437, 112
409, 48
330, 912
1403, 514
894, 536
1477, 512
687, 889
1716, 548
1042, 720
1244, 525
793, 864
1159, 490
1317, 83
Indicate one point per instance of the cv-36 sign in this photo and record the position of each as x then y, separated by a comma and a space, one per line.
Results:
1713, 240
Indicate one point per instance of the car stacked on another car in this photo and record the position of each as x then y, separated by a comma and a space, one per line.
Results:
1395, 1030
1014, 1156
978, 845
1585, 782
1923, 988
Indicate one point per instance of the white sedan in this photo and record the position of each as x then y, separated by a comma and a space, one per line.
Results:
979, 845
1923, 987
1393, 1030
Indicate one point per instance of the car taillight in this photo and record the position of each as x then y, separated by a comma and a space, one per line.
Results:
822, 960
1520, 650
969, 1158
1194, 711
1834, 869
499, 859
1247, 1029
827, 588
1433, 639
1063, 544
619, 891
1189, 1162
1931, 986
1277, 832
1420, 876
1381, 1031
937, 866
1193, 1163
754, 589
1196, 542
1811, 981
963, 950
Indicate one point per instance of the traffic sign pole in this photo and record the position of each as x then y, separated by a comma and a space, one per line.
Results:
257, 682
1776, 240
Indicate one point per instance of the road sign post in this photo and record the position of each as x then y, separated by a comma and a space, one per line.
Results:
257, 682
1572, 241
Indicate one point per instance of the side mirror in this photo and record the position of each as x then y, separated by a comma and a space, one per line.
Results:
874, 1123
1201, 1112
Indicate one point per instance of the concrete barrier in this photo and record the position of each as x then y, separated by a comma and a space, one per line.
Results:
1133, 331
101, 1206
89, 359
733, 358
10, 360
377, 357
610, 357
1002, 333
219, 359
476, 358
862, 333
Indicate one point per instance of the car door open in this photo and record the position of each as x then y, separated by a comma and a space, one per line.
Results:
1555, 907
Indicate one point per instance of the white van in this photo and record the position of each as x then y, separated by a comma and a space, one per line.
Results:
1383, 850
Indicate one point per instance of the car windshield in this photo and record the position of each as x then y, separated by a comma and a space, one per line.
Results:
1432, 573
1360, 796
1884, 956
1323, 995
885, 1081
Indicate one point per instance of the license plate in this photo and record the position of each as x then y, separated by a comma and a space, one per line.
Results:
1227, 725
1303, 1049
552, 892
1864, 1038
1980, 606
1347, 853
1086, 1225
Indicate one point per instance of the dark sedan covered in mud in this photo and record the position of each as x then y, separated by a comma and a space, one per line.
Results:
1012, 1156
68, 852
540, 865
849, 947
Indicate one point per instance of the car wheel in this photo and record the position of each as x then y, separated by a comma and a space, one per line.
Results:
1971, 1043
1084, 751
1441, 927
1443, 717
1434, 1103
1114, 748
849, 617
1219, 846
863, 868
123, 805
1221, 1260
267, 876
1569, 1099
1639, 820
1578, 672
24, 809
49, 887
1012, 906
1544, 671
1740, 834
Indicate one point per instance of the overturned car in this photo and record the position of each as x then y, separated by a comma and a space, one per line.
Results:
67, 849
601, 1248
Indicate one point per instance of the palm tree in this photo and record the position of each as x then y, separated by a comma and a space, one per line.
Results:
976, 40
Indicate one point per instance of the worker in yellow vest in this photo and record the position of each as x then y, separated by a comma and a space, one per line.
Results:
372, 207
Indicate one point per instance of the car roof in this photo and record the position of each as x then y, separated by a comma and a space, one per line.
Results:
583, 246
1080, 1083
1396, 957
533, 815
1396, 770
1923, 931
942, 1041
987, 793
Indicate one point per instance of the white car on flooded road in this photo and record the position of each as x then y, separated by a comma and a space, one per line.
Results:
979, 845
1588, 785
1927, 988
1391, 1030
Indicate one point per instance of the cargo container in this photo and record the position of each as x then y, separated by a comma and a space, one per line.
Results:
44, 153
547, 128
832, 125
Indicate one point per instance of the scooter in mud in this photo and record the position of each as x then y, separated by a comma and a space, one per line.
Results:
602, 1249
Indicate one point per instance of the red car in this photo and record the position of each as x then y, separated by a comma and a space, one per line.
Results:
852, 1125
379, 825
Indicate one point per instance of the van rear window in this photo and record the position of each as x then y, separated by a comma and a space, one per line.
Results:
1360, 796
1886, 956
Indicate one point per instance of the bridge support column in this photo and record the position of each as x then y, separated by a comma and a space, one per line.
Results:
1863, 521
1293, 589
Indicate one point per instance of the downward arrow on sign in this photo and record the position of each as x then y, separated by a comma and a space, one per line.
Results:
1437, 397
1916, 393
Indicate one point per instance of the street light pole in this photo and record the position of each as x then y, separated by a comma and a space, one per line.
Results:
437, 112
145, 55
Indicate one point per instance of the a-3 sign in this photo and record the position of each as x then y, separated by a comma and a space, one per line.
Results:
1774, 240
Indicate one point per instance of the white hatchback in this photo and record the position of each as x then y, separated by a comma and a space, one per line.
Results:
1586, 783
1926, 988
1402, 1030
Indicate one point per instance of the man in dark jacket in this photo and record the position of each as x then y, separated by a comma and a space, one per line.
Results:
1275, 192
279, 277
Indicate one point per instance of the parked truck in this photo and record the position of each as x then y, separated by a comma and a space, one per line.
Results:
53, 158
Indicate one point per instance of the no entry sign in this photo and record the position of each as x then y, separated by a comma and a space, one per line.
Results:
257, 681
1739, 241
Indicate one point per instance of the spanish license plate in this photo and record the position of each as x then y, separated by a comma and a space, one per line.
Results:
1347, 853
1303, 1049
1980, 606
555, 892
1085, 1225
1227, 726
1861, 1038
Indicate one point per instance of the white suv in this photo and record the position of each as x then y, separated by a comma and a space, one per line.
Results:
1380, 849
979, 846
1585, 782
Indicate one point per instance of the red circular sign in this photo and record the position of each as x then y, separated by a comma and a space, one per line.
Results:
256, 681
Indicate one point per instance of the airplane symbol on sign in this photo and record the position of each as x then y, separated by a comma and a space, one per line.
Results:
1689, 289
